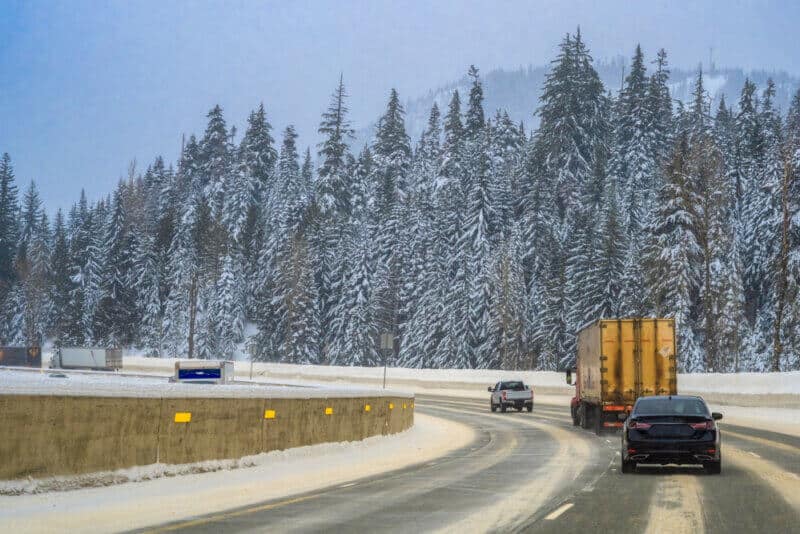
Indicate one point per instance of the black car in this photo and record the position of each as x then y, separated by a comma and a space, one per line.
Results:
676, 429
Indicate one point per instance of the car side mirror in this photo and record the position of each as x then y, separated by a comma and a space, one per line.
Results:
569, 376
716, 416
621, 416
490, 389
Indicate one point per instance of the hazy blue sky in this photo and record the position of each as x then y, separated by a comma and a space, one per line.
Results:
85, 87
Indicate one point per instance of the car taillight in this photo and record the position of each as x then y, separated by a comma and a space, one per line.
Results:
705, 425
638, 425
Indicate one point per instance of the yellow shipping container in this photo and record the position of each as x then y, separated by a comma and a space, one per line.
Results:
620, 360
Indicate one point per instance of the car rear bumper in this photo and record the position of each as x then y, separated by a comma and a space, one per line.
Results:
672, 452
517, 403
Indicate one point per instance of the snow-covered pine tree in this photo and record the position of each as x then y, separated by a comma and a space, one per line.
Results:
302, 318
116, 313
509, 305
676, 277
9, 229
228, 312
573, 133
61, 285
633, 163
333, 186
392, 158
332, 206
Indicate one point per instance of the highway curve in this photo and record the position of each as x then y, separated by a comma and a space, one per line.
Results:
537, 473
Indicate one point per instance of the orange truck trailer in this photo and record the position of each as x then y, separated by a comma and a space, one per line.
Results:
620, 360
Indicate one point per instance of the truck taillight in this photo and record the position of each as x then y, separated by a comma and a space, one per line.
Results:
638, 425
531, 394
505, 395
705, 425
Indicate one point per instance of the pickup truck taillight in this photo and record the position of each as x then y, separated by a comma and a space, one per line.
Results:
638, 425
705, 425
504, 395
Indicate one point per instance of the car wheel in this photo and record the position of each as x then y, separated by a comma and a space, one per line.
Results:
493, 406
713, 468
503, 408
530, 408
627, 466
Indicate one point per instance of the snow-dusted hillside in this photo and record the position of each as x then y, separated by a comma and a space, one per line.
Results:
517, 91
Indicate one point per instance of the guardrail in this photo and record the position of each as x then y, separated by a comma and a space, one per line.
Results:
66, 435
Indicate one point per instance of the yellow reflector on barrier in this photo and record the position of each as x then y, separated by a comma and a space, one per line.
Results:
328, 411
367, 408
404, 406
269, 414
183, 417
391, 406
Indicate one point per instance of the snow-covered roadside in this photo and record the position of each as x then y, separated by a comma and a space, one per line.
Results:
27, 382
274, 475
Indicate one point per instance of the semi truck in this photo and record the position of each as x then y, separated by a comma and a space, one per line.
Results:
94, 358
618, 361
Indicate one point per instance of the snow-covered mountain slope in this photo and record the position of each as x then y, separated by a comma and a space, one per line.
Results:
517, 91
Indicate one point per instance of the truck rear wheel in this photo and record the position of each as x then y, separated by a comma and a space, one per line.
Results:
575, 419
502, 407
583, 415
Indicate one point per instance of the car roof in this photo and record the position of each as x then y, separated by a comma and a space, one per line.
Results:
669, 397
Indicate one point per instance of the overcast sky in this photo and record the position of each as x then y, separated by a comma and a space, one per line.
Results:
86, 87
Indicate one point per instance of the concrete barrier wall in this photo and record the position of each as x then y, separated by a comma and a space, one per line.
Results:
45, 436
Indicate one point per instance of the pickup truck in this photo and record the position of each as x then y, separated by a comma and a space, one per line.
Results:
511, 394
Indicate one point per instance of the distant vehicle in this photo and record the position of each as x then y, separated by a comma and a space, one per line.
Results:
93, 358
511, 394
675, 429
619, 361
203, 372
21, 357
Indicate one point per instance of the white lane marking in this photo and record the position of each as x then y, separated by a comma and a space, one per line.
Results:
347, 485
608, 441
431, 463
558, 511
753, 454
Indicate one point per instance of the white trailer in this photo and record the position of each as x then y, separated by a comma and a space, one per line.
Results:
95, 358
204, 371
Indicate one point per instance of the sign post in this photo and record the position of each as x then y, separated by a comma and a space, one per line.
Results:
387, 347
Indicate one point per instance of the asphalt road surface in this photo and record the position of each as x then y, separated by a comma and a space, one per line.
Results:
537, 473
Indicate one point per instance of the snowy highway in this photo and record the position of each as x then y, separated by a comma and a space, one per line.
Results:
537, 473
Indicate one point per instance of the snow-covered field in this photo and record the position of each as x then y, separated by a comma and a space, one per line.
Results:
160, 498
86, 383
476, 380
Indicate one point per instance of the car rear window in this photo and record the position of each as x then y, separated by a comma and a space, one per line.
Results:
671, 406
513, 386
